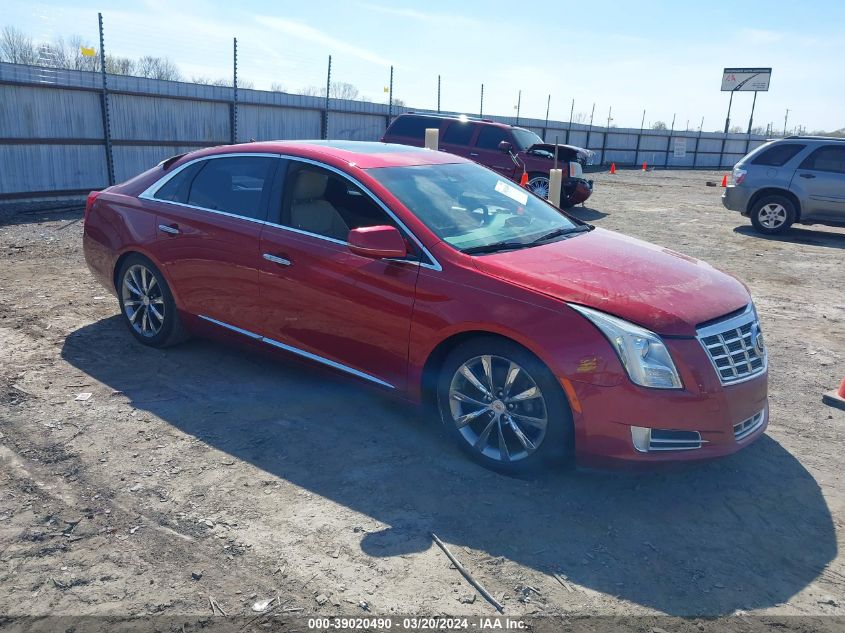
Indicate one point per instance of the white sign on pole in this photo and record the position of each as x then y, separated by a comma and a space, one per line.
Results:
746, 79
680, 148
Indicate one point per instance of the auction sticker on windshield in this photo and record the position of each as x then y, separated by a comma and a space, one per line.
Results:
514, 193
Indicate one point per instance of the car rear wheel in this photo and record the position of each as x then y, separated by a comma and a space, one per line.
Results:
147, 304
538, 184
503, 406
773, 214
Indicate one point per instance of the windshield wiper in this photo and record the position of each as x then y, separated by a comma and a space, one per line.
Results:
581, 228
495, 247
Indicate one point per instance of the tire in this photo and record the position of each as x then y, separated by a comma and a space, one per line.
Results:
533, 405
538, 184
773, 214
147, 305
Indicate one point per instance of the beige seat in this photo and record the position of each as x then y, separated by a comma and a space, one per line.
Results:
310, 211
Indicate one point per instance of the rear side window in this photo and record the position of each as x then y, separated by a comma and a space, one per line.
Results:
177, 188
829, 158
412, 126
778, 155
458, 133
237, 185
490, 137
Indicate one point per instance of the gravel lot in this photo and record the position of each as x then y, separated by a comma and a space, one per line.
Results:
206, 470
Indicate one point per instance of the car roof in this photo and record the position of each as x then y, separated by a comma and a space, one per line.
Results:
362, 154
459, 117
824, 139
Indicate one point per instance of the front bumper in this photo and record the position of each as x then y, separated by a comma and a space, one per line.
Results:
578, 190
705, 406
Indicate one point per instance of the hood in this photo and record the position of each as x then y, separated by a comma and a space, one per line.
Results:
657, 288
564, 152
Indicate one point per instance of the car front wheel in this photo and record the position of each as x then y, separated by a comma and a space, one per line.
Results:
503, 406
538, 184
773, 214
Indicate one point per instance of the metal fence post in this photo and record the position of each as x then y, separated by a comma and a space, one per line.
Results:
697, 141
604, 137
639, 139
325, 130
234, 126
518, 104
590, 129
104, 103
438, 94
569, 129
669, 142
481, 106
390, 99
546, 125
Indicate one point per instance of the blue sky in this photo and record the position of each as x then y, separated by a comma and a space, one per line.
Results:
664, 57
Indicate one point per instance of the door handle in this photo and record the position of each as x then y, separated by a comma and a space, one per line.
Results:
807, 175
172, 230
474, 154
281, 261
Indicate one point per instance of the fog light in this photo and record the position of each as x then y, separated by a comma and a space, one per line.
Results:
641, 436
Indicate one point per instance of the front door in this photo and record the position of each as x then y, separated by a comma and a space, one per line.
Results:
320, 300
487, 152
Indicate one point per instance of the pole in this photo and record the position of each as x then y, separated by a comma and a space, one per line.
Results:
639, 138
590, 129
438, 94
548, 103
697, 141
785, 118
326, 108
604, 136
571, 112
390, 99
750, 123
234, 126
669, 141
518, 104
104, 104
728, 118
481, 105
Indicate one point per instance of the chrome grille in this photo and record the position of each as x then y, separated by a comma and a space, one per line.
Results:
735, 347
747, 427
664, 440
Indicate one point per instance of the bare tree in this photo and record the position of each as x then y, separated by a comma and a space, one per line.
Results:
277, 87
120, 65
158, 68
16, 47
339, 90
659, 125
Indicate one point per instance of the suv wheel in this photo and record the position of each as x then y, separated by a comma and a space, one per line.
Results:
503, 406
773, 214
538, 184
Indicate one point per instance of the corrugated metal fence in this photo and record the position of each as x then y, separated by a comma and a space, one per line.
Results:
52, 129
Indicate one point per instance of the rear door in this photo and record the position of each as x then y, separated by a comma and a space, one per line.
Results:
820, 178
457, 138
209, 217
486, 150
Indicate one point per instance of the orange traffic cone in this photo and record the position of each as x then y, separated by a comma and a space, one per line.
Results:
836, 398
645, 167
725, 180
612, 168
523, 182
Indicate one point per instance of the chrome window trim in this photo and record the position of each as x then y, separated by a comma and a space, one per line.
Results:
749, 315
149, 194
299, 352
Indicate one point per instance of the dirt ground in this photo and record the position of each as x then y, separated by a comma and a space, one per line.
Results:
204, 470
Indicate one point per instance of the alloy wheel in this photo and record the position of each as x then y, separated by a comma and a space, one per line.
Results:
498, 408
539, 186
772, 215
142, 300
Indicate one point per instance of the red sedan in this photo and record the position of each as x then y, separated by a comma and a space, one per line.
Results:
536, 336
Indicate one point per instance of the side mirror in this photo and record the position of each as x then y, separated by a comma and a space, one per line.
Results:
505, 146
377, 242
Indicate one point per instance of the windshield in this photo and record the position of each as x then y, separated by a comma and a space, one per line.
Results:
473, 208
525, 138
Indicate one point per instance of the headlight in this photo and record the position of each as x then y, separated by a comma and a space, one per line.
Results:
642, 352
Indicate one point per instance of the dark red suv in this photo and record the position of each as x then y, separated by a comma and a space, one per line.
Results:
481, 140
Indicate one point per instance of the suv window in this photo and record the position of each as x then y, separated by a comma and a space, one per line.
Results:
778, 155
490, 137
412, 126
827, 158
325, 203
177, 188
236, 185
458, 133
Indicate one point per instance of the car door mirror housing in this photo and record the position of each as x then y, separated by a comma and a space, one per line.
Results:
378, 242
505, 146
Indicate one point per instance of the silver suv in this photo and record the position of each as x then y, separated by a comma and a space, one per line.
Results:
795, 179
